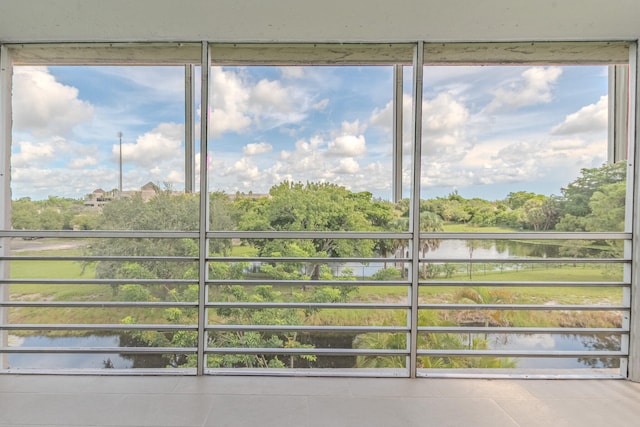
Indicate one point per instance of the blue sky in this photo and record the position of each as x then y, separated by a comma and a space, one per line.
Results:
486, 131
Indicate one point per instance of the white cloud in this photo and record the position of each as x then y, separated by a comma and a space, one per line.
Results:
352, 128
239, 103
157, 82
164, 143
292, 72
445, 119
590, 118
320, 105
41, 182
383, 116
270, 95
347, 166
32, 154
230, 100
527, 161
347, 145
534, 87
255, 149
82, 162
444, 113
175, 176
244, 169
44, 106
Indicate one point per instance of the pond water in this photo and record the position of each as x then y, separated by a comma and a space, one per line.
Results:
67, 360
533, 342
565, 342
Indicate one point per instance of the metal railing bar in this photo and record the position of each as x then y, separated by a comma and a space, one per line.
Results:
239, 234
507, 307
93, 350
100, 281
515, 374
168, 234
366, 235
527, 235
326, 260
218, 282
305, 351
96, 327
521, 353
311, 372
130, 372
99, 258
306, 305
525, 260
117, 234
98, 304
520, 330
532, 284
308, 259
295, 328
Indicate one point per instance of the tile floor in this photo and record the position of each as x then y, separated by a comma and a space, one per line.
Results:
42, 400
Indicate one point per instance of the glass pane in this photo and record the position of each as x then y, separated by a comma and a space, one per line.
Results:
512, 149
100, 148
92, 137
287, 143
508, 148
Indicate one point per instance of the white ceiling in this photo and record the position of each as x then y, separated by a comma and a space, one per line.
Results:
321, 20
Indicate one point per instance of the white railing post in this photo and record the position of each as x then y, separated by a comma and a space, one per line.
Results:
5, 190
204, 208
631, 223
414, 214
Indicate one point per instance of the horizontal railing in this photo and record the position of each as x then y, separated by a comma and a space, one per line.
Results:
357, 349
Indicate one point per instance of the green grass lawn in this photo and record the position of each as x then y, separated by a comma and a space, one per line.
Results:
382, 293
468, 228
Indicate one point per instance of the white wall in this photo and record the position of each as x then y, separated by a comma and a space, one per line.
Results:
319, 20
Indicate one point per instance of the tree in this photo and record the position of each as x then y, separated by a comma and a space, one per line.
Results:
165, 211
607, 208
24, 214
517, 199
604, 210
534, 214
220, 219
316, 207
54, 213
577, 194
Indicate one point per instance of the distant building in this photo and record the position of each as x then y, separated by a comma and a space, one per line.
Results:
99, 197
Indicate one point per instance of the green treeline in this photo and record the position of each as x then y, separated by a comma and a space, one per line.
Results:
592, 202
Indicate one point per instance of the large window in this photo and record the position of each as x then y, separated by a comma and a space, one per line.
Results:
511, 149
366, 209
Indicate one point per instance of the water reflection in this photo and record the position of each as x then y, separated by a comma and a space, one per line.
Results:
68, 360
559, 342
532, 342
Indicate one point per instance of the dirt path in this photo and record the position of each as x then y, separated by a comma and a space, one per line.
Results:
20, 245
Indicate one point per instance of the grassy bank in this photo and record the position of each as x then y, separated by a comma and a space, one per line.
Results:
550, 295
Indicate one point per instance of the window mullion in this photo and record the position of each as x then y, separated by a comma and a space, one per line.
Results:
189, 129
397, 132
631, 223
204, 209
414, 213
5, 190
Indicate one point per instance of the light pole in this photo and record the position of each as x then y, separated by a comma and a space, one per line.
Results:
120, 182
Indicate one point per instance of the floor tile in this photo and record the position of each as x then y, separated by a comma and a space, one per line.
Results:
573, 412
263, 411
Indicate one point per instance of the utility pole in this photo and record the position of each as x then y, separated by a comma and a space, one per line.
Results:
120, 182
